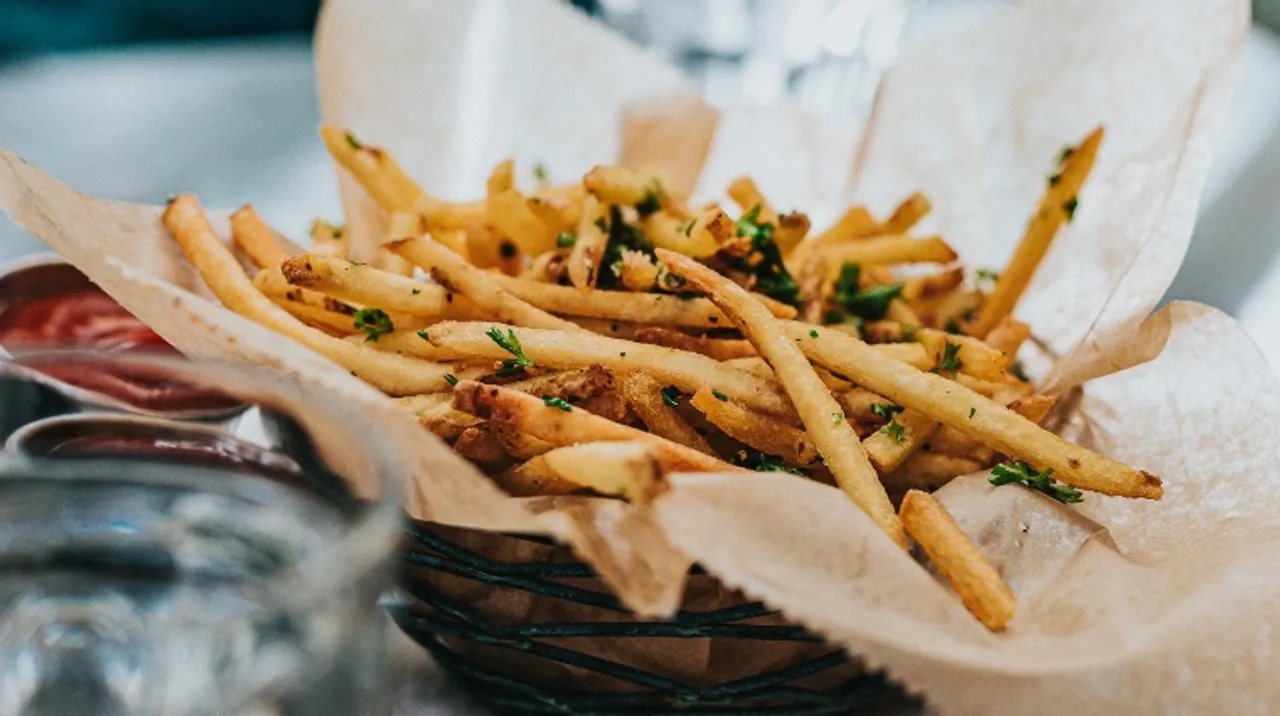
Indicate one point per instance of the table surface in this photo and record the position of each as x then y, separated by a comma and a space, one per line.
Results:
237, 119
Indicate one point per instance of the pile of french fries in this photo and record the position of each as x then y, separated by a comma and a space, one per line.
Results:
594, 337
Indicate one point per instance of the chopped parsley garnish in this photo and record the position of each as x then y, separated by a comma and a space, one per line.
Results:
813, 333
510, 344
450, 378
894, 430
566, 240
949, 363
686, 227
417, 291
987, 275
423, 335
1019, 371
560, 403
338, 230
1066, 153
540, 172
848, 302
761, 462
972, 412
1055, 178
671, 280
602, 224
622, 237
652, 200
718, 395
953, 327
837, 418
1020, 472
670, 395
357, 263
172, 198
886, 410
374, 322
1070, 208
355, 143
764, 260
616, 267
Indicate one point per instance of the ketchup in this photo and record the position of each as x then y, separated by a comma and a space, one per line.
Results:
193, 449
90, 319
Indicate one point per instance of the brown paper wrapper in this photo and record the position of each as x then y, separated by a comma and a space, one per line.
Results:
1126, 606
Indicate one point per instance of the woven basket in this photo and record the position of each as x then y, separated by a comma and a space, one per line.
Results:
530, 630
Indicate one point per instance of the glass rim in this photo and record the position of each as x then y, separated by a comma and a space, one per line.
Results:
367, 540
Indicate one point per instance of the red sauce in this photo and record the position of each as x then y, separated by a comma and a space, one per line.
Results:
90, 319
189, 449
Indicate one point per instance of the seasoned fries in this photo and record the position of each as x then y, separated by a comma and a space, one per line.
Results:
591, 337
981, 589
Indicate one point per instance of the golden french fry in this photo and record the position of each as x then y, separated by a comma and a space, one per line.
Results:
908, 213
747, 196
699, 237
638, 272
272, 283
252, 235
856, 222
644, 308
629, 470
405, 343
756, 430
718, 348
451, 271
889, 250
395, 375
376, 170
820, 413
890, 446
953, 404
331, 322
561, 349
1008, 336
644, 394
620, 185
479, 445
521, 446
930, 471
369, 286
1057, 206
949, 441
324, 231
400, 224
588, 248
561, 426
502, 178
901, 311
533, 478
513, 215
933, 285
792, 228
979, 585
336, 249
975, 357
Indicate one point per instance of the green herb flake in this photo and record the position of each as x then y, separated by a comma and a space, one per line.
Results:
355, 143
972, 412
417, 291
837, 418
849, 301
987, 275
1020, 472
718, 395
764, 260
423, 335
602, 224
510, 344
760, 462
813, 333
886, 410
949, 363
450, 378
540, 173
1019, 371
1066, 153
1055, 179
671, 395
374, 322
652, 200
894, 430
686, 227
953, 327
560, 403
1070, 208
357, 263
566, 240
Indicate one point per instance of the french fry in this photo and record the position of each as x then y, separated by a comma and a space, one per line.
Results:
644, 394
821, 414
812, 279
325, 231
331, 322
479, 445
638, 271
887, 449
949, 441
335, 249
502, 178
514, 216
400, 224
451, 271
901, 311
1057, 206
930, 471
792, 228
976, 358
588, 249
560, 349
953, 404
949, 311
533, 478
1008, 336
700, 237
628, 470
620, 185
402, 342
756, 430
609, 405
369, 286
374, 168
889, 250
568, 427
395, 375
909, 212
747, 196
252, 235
980, 587
933, 285
272, 283
645, 308
521, 446
856, 222
719, 348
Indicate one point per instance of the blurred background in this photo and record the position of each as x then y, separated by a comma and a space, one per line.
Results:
137, 99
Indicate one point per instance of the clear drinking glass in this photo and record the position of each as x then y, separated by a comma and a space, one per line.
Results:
160, 567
